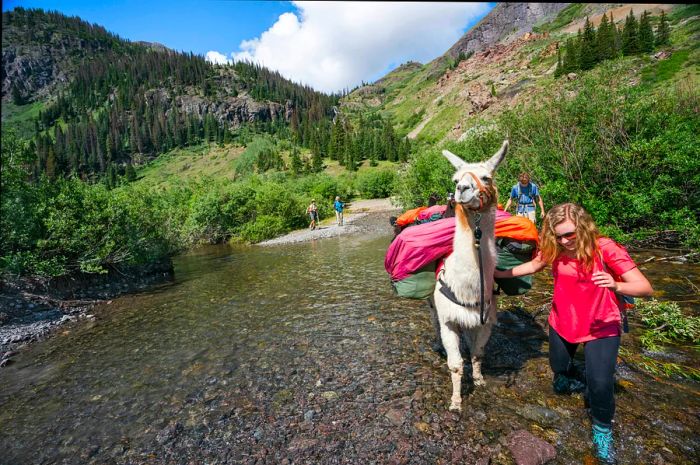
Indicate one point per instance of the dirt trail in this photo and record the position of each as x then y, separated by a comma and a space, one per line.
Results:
328, 228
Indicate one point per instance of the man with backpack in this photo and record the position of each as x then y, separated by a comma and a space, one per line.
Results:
525, 193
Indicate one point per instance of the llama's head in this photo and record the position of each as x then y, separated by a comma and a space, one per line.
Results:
474, 187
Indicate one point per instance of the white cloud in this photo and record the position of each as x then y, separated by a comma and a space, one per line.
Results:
336, 45
217, 58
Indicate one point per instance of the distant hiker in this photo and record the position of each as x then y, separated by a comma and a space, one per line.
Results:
312, 211
591, 274
338, 207
451, 203
525, 193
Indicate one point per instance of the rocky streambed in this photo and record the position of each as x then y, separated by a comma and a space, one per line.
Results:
32, 309
301, 353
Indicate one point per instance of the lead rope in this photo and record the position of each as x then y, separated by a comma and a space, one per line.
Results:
477, 244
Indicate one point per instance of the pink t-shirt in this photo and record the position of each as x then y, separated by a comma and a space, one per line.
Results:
582, 311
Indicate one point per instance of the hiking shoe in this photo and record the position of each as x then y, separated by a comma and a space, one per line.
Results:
564, 385
603, 443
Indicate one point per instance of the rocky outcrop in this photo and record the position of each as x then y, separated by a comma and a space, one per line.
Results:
505, 21
234, 111
34, 70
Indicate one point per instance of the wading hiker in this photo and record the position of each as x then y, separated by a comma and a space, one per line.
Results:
338, 207
525, 193
591, 275
312, 211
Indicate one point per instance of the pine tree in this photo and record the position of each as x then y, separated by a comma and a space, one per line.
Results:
630, 35
559, 70
663, 31
605, 40
316, 162
111, 178
130, 173
296, 165
17, 98
646, 33
570, 56
587, 47
617, 38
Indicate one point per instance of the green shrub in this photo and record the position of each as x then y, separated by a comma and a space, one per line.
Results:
667, 324
428, 171
264, 227
375, 184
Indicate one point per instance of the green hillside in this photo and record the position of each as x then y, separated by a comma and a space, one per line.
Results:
436, 108
103, 184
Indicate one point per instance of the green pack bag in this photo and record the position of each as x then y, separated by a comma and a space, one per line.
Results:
511, 253
419, 285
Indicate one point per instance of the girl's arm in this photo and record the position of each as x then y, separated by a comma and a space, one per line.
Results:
533, 266
634, 283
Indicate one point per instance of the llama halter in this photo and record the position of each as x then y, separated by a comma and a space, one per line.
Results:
483, 190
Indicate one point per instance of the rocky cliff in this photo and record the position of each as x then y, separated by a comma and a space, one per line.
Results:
505, 22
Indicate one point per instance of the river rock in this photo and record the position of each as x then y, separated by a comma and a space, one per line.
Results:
528, 449
541, 415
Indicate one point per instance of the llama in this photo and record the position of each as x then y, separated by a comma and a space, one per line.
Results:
462, 293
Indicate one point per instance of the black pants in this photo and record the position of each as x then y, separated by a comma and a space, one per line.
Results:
601, 358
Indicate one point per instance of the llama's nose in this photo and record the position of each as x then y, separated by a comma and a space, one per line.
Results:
461, 188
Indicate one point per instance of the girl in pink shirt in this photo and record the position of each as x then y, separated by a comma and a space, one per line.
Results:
588, 271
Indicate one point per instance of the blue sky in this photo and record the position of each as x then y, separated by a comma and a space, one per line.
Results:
328, 45
193, 26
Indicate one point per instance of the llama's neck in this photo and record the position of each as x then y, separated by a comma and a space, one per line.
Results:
466, 224
462, 267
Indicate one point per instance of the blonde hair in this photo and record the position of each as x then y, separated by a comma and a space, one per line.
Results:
586, 234
524, 175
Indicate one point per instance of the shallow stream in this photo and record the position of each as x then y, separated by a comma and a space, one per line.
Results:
302, 354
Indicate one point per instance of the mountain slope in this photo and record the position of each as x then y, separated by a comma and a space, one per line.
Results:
91, 99
447, 99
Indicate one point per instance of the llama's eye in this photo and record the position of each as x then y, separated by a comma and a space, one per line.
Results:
456, 180
485, 178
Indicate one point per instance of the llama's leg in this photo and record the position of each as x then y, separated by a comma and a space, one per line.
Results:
478, 339
437, 342
450, 340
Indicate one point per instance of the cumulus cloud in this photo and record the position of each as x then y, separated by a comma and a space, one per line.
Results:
217, 58
335, 45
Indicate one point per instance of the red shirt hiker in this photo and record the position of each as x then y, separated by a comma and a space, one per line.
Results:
581, 310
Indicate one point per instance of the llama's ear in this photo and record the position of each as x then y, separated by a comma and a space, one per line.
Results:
496, 160
454, 159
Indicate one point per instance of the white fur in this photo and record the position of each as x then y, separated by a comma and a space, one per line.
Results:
461, 273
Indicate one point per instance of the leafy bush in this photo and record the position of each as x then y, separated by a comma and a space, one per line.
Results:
428, 171
667, 324
264, 227
375, 184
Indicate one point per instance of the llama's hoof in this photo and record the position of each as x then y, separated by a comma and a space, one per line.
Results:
479, 382
456, 407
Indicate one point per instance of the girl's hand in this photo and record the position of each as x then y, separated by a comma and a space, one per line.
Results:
603, 279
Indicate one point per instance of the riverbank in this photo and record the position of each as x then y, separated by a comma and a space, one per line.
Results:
33, 308
354, 212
